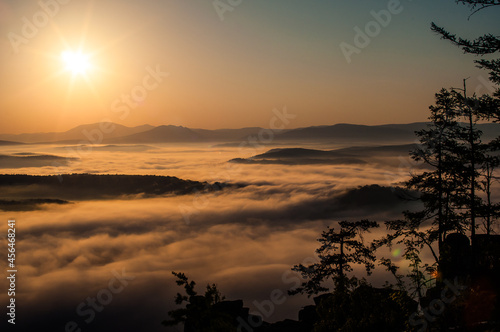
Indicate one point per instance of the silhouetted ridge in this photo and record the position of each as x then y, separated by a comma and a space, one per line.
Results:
293, 153
10, 143
26, 159
161, 134
106, 133
91, 133
351, 155
91, 186
349, 132
28, 204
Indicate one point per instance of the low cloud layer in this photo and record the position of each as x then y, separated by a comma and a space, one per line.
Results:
245, 238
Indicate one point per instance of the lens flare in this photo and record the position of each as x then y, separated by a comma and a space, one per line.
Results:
396, 252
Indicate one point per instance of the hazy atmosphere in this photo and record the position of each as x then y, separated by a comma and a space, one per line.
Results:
321, 161
261, 55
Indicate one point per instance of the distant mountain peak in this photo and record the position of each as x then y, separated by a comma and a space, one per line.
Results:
336, 133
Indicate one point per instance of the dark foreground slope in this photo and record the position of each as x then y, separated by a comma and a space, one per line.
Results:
18, 189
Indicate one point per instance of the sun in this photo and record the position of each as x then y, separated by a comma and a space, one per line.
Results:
76, 62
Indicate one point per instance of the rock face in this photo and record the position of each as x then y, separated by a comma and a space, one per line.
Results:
455, 256
457, 260
468, 284
223, 316
488, 260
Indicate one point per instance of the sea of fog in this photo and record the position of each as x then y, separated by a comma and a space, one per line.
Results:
243, 238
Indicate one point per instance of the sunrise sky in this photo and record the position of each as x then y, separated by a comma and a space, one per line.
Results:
227, 73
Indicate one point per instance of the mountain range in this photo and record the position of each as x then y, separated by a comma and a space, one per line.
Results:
77, 133
9, 143
111, 133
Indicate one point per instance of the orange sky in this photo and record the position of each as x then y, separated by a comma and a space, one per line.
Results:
226, 73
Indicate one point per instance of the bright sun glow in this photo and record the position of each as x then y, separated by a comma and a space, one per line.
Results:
76, 62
